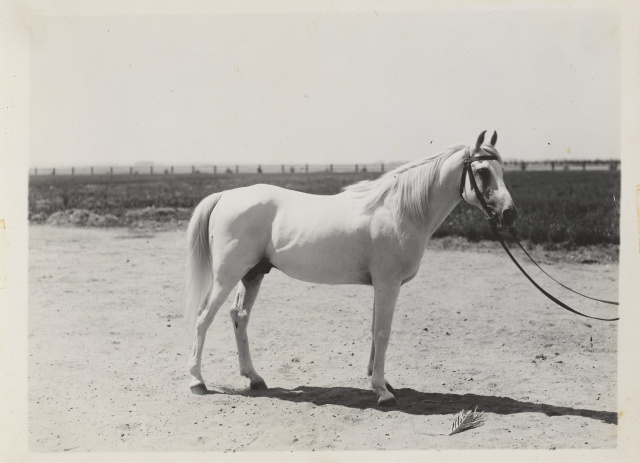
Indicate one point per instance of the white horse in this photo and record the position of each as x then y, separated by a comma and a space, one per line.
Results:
372, 233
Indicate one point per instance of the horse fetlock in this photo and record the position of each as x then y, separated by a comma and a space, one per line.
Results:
248, 373
255, 380
194, 368
381, 386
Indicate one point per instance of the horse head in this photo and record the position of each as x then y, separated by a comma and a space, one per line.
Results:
485, 188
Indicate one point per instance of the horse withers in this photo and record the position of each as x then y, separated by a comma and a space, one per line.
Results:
372, 233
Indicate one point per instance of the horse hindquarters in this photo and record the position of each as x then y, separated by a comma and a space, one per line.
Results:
204, 291
215, 266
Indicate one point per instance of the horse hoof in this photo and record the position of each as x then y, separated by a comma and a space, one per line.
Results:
390, 388
388, 402
258, 385
199, 389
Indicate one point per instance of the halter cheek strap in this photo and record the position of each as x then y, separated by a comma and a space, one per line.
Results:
468, 171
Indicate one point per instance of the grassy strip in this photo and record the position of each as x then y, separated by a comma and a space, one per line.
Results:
559, 209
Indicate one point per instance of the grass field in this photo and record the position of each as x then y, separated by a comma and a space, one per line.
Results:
559, 209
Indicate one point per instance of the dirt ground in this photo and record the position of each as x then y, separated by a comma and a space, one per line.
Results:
108, 355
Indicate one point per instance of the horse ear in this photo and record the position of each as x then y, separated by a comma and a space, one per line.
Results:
480, 140
494, 138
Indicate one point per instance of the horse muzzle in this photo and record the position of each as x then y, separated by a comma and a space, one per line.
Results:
508, 217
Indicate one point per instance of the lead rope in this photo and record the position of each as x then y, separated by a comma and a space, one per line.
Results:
557, 301
513, 235
492, 223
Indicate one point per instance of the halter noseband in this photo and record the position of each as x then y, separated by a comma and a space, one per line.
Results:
466, 169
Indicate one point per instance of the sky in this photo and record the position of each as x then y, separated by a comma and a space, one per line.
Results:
343, 87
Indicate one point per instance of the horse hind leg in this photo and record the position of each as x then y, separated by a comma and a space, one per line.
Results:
219, 293
240, 313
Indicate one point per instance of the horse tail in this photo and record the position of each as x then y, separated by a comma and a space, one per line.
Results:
199, 269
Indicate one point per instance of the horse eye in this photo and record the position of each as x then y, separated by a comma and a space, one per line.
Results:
484, 175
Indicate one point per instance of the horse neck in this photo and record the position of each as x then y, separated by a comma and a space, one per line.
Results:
444, 194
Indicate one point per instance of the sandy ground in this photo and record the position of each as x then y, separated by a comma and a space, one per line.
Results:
108, 356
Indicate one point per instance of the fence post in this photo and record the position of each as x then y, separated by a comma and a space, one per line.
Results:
171, 170
330, 167
215, 170
150, 170
73, 171
92, 171
53, 171
282, 168
193, 169
306, 168
553, 165
236, 168
584, 165
382, 167
523, 166
356, 167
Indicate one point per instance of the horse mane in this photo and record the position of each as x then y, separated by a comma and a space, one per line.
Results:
409, 185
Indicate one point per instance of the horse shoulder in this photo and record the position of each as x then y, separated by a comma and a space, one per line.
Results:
398, 248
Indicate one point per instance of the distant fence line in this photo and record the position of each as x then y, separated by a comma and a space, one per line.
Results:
212, 169
300, 168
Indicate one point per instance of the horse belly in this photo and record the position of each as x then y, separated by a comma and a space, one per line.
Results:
320, 253
321, 265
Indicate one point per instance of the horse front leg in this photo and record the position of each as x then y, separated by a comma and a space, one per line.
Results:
373, 352
385, 297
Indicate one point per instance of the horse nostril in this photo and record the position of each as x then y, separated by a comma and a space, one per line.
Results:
509, 216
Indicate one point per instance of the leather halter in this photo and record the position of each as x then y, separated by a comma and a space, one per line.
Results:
468, 171
492, 216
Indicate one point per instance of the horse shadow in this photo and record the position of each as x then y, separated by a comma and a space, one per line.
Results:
415, 402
